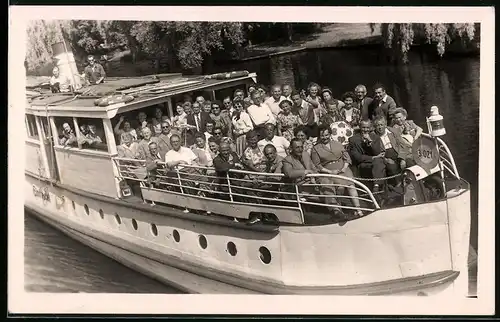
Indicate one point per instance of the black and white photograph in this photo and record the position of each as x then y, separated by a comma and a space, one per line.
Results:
328, 153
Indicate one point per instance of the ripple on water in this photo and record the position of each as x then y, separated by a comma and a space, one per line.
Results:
56, 263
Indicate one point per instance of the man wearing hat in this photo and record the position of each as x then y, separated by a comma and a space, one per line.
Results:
409, 130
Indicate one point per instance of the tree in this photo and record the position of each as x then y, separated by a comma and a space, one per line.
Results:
188, 43
41, 35
400, 36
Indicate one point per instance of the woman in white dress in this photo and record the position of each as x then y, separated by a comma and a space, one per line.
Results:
242, 124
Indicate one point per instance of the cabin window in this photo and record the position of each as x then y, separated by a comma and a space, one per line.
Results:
134, 121
44, 123
31, 127
91, 136
66, 135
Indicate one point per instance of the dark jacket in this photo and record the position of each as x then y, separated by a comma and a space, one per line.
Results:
359, 150
364, 107
204, 118
396, 142
385, 109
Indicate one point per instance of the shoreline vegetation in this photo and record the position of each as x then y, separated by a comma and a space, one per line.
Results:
122, 60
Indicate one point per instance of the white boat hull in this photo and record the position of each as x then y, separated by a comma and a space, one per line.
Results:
327, 265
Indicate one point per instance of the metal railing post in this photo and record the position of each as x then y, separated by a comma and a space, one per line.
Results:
229, 186
179, 179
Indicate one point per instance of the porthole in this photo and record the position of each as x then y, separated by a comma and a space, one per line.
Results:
73, 203
231, 248
154, 230
134, 224
86, 209
265, 255
203, 241
101, 213
177, 236
118, 219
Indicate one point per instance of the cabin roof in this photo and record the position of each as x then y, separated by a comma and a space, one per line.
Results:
143, 89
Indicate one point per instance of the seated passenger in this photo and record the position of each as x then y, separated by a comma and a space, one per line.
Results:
221, 118
390, 154
308, 142
164, 138
147, 137
59, 83
360, 149
213, 147
142, 119
91, 139
223, 162
253, 158
331, 115
154, 162
179, 156
202, 151
274, 164
126, 129
409, 130
350, 113
287, 121
330, 157
219, 136
128, 148
297, 166
280, 143
67, 136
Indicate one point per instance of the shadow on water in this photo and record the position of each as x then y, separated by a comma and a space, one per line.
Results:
58, 264
451, 83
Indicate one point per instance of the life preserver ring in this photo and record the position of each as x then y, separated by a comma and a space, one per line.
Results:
113, 99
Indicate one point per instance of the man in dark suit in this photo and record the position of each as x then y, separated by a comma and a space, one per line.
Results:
382, 105
363, 102
198, 118
360, 149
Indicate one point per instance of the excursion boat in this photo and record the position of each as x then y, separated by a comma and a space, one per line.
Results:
414, 244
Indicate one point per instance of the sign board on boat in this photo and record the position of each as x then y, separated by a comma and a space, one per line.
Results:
425, 153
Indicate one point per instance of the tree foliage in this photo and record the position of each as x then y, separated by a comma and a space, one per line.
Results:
186, 43
400, 36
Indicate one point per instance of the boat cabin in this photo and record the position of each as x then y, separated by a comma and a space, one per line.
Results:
57, 151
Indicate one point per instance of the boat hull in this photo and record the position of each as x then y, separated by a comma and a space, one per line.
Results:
171, 250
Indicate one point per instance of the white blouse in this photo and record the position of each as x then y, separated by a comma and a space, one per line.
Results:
243, 125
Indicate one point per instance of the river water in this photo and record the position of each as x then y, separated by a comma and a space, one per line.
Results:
55, 263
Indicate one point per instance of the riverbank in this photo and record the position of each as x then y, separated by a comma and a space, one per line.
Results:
330, 36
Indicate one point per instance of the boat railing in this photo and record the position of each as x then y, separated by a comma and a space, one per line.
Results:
445, 157
247, 187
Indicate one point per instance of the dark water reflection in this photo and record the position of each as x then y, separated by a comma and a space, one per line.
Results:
451, 83
55, 263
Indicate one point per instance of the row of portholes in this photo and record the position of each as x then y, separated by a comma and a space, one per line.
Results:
264, 252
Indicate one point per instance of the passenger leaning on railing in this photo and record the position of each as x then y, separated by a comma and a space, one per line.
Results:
223, 162
330, 157
154, 161
390, 151
297, 166
190, 176
274, 165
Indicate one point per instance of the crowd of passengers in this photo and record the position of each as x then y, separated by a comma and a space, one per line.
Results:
287, 132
